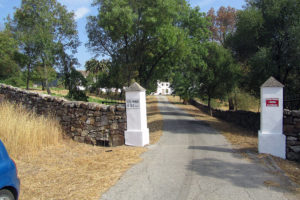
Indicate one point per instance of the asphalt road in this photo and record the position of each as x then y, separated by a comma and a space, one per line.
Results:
194, 161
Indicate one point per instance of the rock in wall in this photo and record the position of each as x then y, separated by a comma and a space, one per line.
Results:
291, 128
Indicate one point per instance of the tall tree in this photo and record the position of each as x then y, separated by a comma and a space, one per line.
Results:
267, 40
45, 29
222, 23
139, 36
220, 75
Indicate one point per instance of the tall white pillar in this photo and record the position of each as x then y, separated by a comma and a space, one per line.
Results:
270, 137
137, 133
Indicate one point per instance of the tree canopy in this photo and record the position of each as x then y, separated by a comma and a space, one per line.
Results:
45, 31
143, 38
267, 41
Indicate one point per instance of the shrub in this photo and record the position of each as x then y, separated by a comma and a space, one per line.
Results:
245, 101
76, 80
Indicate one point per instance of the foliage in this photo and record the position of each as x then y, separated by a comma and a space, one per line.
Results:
183, 85
77, 80
39, 75
220, 75
222, 24
143, 38
8, 53
45, 30
267, 41
185, 77
96, 70
244, 101
94, 66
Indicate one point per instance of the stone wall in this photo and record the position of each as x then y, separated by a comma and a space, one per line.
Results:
245, 119
291, 128
85, 122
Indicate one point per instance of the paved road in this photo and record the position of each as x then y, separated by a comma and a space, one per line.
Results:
193, 161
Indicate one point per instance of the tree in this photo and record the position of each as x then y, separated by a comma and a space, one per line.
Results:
77, 80
38, 75
67, 62
271, 47
141, 37
8, 52
185, 79
220, 75
222, 24
45, 30
94, 66
98, 73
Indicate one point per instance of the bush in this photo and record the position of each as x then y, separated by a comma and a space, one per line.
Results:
245, 101
77, 80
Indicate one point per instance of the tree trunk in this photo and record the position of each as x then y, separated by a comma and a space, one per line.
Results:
43, 85
230, 102
209, 106
28, 77
46, 79
185, 101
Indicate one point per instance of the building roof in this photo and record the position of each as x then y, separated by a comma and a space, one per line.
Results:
135, 87
84, 73
272, 82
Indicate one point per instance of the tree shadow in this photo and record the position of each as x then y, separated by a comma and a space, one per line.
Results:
174, 126
240, 174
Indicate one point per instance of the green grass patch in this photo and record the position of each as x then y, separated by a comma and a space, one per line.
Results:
103, 101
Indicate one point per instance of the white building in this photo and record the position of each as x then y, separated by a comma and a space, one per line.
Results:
163, 88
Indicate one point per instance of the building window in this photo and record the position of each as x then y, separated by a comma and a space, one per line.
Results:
162, 84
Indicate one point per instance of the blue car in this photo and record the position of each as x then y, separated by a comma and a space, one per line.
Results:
9, 181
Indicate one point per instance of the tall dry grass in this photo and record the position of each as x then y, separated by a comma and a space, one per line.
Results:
25, 133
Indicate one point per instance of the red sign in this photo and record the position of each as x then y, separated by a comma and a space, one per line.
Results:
274, 102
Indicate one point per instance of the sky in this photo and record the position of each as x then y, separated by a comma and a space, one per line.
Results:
83, 8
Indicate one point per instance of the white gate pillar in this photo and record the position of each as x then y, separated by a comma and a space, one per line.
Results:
270, 137
137, 133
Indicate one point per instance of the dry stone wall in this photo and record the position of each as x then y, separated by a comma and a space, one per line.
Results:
245, 119
291, 128
85, 122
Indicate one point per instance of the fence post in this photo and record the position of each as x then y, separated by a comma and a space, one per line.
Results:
270, 137
137, 133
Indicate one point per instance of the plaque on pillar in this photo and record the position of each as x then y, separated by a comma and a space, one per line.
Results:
271, 139
137, 133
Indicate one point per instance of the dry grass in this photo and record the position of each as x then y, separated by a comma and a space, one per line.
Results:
155, 120
74, 171
242, 140
24, 133
66, 169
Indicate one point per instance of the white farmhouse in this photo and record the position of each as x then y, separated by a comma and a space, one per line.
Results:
163, 88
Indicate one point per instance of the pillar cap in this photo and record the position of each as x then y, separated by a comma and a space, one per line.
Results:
272, 82
135, 87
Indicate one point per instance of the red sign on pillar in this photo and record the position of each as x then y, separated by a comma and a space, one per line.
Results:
272, 102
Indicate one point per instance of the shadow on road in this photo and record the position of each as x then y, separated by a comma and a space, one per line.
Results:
245, 175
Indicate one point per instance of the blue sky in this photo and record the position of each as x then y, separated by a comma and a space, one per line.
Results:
83, 8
